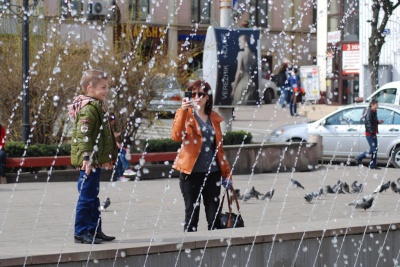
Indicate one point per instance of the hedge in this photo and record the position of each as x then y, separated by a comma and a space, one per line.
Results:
17, 149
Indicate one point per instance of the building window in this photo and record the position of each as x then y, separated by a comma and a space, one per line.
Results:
201, 11
139, 9
70, 8
259, 12
350, 21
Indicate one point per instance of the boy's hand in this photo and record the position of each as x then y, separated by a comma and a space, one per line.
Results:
86, 166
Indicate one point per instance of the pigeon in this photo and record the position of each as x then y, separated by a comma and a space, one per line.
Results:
394, 187
398, 180
255, 192
309, 197
345, 187
318, 192
106, 204
356, 188
237, 192
246, 197
329, 189
268, 195
295, 183
382, 188
249, 195
366, 204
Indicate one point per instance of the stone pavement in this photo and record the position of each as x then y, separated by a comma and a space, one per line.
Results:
37, 219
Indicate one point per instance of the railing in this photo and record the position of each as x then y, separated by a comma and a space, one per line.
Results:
66, 160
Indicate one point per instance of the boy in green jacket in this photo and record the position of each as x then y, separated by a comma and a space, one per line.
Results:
93, 146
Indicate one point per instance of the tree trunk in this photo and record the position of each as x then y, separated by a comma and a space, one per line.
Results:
377, 38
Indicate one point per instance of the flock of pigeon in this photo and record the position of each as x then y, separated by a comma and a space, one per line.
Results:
339, 188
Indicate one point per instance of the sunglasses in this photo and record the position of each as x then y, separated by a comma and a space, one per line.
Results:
199, 94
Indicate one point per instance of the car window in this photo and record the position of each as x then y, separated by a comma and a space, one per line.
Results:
396, 118
167, 83
346, 117
388, 116
386, 96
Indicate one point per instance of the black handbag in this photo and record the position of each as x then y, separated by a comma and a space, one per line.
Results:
230, 219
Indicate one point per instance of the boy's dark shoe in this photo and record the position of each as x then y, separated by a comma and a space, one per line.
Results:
104, 237
87, 239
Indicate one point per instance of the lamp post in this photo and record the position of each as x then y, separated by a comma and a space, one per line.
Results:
23, 13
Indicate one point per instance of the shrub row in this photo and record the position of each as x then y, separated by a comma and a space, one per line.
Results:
17, 149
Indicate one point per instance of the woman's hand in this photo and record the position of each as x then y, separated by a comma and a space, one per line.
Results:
186, 104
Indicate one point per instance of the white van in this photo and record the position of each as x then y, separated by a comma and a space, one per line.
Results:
388, 93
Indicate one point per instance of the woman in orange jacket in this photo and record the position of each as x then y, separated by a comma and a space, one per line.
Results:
201, 159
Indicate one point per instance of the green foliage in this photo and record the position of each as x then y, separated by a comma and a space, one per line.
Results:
162, 145
237, 137
17, 149
168, 145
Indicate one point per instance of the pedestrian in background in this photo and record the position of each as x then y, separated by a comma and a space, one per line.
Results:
294, 85
92, 148
282, 82
201, 159
3, 155
122, 167
371, 130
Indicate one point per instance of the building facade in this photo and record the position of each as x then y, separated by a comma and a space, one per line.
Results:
344, 29
288, 27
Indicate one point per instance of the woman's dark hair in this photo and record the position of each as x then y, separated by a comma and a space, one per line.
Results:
284, 67
204, 86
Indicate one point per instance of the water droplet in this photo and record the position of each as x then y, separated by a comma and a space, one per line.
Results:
56, 70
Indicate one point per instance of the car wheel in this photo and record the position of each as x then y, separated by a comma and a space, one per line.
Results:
268, 95
295, 140
396, 157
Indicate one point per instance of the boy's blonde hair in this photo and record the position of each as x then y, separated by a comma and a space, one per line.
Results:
92, 77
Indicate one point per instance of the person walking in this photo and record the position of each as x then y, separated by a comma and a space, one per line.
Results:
201, 158
371, 131
282, 82
3, 155
122, 167
294, 85
93, 147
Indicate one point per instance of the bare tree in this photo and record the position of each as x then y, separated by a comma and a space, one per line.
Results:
377, 38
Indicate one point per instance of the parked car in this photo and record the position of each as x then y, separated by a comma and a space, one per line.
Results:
168, 96
387, 93
343, 133
268, 90
197, 74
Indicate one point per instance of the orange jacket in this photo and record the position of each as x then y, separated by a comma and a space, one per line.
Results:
192, 141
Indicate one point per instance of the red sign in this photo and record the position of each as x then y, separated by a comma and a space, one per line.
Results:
351, 58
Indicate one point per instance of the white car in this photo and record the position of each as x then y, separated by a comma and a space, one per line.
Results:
387, 93
169, 95
268, 90
343, 133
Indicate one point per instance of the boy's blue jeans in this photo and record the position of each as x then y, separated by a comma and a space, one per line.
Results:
88, 215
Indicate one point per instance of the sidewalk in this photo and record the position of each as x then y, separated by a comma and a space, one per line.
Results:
36, 223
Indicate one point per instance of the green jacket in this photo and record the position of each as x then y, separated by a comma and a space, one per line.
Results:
92, 132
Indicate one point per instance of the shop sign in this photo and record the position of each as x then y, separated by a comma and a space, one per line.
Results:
351, 58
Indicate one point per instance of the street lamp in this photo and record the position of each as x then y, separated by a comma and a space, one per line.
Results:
23, 13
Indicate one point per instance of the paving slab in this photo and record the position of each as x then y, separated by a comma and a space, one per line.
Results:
37, 219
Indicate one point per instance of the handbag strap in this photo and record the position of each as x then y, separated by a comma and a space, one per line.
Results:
229, 200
